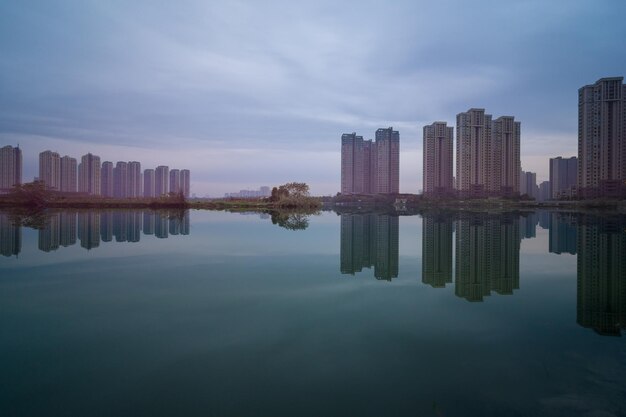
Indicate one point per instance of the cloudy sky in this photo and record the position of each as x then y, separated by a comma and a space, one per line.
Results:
250, 93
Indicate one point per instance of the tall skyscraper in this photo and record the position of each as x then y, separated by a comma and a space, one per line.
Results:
352, 179
50, 170
68, 174
473, 153
161, 180
185, 184
134, 179
487, 154
148, 183
506, 158
602, 138
89, 174
370, 167
106, 179
388, 161
120, 180
545, 191
10, 167
563, 176
437, 167
175, 181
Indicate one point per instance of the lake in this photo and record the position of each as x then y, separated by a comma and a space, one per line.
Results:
206, 313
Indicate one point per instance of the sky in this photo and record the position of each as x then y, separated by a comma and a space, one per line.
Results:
251, 93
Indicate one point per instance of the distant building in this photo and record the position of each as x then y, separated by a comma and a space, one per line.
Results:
351, 164
50, 170
120, 180
10, 167
148, 185
161, 180
528, 184
388, 161
563, 176
68, 174
545, 192
185, 184
437, 166
175, 181
261, 192
106, 179
134, 179
602, 139
506, 150
89, 174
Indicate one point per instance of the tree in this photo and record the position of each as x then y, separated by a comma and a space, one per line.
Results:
33, 194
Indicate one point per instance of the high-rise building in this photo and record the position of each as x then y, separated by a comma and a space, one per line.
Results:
161, 180
602, 139
528, 184
437, 167
120, 180
134, 179
351, 164
175, 181
370, 167
563, 176
506, 156
436, 250
185, 184
487, 154
68, 174
473, 153
89, 174
106, 179
545, 192
10, 167
388, 161
50, 170
148, 183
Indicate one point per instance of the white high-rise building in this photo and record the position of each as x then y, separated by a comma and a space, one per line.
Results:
10, 167
89, 174
68, 174
437, 167
50, 170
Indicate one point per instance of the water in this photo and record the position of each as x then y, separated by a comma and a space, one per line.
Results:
131, 313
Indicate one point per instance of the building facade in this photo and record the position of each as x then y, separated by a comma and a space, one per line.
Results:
50, 170
352, 178
437, 168
120, 180
148, 183
388, 161
563, 176
68, 174
134, 179
601, 139
528, 184
185, 184
106, 179
175, 181
10, 167
506, 134
89, 174
161, 180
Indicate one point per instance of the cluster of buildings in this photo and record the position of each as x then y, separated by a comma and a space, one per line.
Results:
371, 166
90, 176
263, 191
486, 160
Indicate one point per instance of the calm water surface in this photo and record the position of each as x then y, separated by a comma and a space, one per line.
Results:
131, 313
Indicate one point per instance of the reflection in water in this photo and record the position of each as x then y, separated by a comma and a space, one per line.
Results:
602, 274
437, 250
487, 255
60, 228
10, 237
370, 240
528, 225
562, 233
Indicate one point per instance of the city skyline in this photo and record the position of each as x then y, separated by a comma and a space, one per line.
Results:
273, 109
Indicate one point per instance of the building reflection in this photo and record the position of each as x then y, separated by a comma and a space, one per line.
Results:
10, 237
370, 240
562, 233
61, 229
601, 265
437, 250
487, 255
